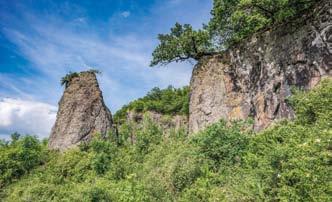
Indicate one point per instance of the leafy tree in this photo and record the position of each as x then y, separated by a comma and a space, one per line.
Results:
234, 20
219, 26
231, 22
182, 43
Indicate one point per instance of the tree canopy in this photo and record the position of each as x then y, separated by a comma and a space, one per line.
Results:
165, 101
181, 44
231, 22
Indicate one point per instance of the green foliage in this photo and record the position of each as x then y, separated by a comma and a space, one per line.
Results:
253, 15
290, 161
167, 101
231, 22
151, 134
234, 20
212, 143
181, 44
19, 156
67, 78
315, 105
185, 172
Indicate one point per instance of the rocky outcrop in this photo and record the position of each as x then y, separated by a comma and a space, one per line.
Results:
166, 122
82, 113
254, 78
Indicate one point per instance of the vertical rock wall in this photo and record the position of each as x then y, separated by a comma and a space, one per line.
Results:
82, 113
254, 78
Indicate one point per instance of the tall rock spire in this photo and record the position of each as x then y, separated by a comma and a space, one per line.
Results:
82, 112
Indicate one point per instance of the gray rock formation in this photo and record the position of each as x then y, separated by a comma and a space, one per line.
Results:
254, 78
82, 113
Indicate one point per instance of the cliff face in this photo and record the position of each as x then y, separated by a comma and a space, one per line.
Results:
254, 78
82, 113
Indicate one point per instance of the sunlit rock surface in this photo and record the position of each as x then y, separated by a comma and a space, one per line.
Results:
82, 113
254, 78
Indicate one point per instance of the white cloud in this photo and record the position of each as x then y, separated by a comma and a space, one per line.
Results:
53, 46
124, 60
26, 117
125, 14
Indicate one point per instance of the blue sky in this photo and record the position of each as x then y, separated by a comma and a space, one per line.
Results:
40, 41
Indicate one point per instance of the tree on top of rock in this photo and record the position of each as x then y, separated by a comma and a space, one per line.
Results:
231, 22
181, 44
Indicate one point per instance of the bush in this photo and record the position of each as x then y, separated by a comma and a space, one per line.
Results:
185, 172
169, 101
19, 156
315, 105
223, 144
149, 135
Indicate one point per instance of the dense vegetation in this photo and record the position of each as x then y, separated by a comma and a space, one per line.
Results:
19, 156
231, 22
169, 101
290, 161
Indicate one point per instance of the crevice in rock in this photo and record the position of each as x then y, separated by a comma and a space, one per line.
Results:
276, 111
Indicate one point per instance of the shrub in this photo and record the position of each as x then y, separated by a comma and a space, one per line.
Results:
315, 105
185, 172
20, 156
169, 101
223, 144
65, 81
150, 135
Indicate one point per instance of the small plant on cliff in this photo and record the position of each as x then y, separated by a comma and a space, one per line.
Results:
66, 79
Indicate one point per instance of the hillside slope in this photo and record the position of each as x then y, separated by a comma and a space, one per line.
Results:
290, 161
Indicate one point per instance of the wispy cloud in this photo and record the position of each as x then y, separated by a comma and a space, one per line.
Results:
54, 45
125, 14
55, 51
